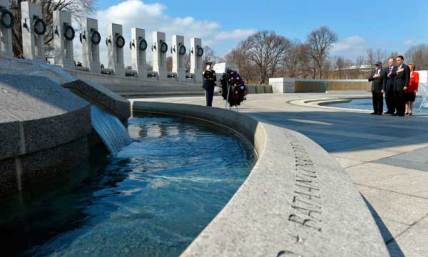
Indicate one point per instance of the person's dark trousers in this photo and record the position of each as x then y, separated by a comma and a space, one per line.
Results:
377, 102
390, 101
209, 95
401, 103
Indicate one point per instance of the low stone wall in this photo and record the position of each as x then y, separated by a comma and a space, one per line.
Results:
136, 87
283, 85
41, 133
297, 200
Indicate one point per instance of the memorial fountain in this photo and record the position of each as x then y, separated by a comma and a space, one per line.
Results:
171, 186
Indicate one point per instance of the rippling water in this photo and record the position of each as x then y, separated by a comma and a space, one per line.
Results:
151, 199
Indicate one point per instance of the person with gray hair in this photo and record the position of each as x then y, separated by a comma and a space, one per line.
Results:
388, 86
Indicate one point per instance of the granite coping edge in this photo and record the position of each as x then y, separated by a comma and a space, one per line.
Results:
297, 200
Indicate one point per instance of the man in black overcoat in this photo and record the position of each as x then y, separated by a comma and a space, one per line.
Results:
388, 86
377, 79
401, 83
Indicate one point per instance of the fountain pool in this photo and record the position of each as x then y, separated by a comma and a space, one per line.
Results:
150, 199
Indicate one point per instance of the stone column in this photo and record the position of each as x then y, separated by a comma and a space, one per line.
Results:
90, 39
33, 30
159, 49
196, 54
115, 45
178, 57
6, 25
138, 51
64, 34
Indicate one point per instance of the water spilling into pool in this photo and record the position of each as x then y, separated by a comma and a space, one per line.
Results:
110, 129
151, 199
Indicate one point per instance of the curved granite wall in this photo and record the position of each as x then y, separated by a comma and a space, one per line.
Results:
297, 200
41, 133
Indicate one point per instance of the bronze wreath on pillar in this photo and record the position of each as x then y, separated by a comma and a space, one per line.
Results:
142, 46
163, 47
199, 51
95, 37
39, 26
182, 50
120, 41
6, 18
69, 32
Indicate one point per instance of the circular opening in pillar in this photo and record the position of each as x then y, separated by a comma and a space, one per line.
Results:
163, 47
120, 41
142, 45
39, 26
95, 37
182, 50
69, 32
6, 19
199, 51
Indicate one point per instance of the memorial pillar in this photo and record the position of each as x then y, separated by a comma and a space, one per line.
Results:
178, 51
64, 34
138, 47
196, 53
6, 25
33, 30
159, 49
90, 39
115, 44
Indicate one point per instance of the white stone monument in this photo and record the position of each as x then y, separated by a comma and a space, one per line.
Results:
64, 34
90, 39
196, 54
178, 51
138, 51
33, 30
6, 25
159, 49
115, 45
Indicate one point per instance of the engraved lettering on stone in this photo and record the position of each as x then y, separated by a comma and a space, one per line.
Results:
306, 202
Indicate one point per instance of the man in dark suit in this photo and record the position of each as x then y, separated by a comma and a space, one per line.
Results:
209, 83
388, 86
401, 83
377, 79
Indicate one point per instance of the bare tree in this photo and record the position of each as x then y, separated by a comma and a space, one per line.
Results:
361, 60
266, 50
238, 58
418, 55
48, 7
320, 42
375, 56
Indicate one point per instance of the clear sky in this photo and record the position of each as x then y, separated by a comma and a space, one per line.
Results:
390, 24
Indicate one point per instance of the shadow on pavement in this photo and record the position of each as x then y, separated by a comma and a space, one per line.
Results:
392, 246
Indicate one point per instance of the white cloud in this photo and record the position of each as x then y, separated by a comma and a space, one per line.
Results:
350, 47
237, 34
152, 17
349, 43
409, 43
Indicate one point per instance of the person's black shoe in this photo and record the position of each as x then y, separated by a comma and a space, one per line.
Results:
373, 113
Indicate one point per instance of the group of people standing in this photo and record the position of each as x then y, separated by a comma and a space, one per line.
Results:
398, 83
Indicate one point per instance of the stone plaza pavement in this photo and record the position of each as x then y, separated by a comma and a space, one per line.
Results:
386, 157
